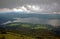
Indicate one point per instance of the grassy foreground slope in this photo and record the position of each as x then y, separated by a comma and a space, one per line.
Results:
28, 31
10, 35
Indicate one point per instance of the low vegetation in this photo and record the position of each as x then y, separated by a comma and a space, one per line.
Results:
28, 31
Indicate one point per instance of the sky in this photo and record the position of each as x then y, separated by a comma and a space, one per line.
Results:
40, 6
49, 6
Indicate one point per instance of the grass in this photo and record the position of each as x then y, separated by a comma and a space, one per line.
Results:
39, 27
13, 24
25, 25
10, 35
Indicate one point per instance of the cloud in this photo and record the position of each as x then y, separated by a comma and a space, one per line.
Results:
53, 22
5, 10
7, 22
43, 8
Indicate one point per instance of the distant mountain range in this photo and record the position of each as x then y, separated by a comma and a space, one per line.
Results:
26, 15
35, 22
53, 19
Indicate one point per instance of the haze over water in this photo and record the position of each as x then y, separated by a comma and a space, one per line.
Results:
54, 22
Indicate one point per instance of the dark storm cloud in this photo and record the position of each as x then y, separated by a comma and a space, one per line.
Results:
7, 3
15, 3
46, 5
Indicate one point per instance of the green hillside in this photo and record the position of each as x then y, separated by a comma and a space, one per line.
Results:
10, 35
28, 31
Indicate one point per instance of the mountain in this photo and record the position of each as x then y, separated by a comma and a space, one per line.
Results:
31, 17
26, 15
34, 30
31, 25
28, 26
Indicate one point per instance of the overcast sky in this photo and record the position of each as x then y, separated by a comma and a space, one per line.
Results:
47, 5
15, 3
